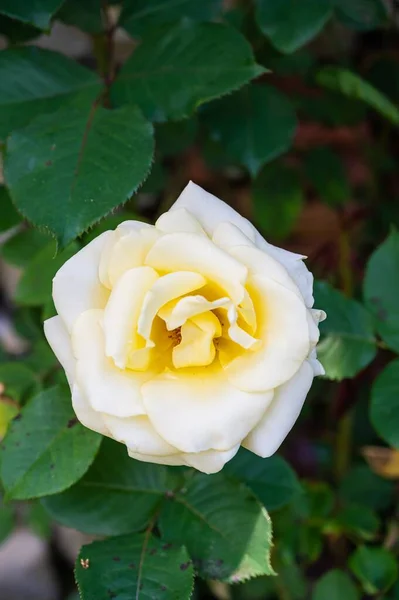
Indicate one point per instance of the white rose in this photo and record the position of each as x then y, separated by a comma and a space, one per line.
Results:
187, 339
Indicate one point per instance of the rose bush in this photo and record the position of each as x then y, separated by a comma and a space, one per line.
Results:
187, 339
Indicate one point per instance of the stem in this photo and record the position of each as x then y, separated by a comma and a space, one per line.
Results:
103, 48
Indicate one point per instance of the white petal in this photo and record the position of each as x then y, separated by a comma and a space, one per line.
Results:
281, 415
60, 342
317, 367
107, 388
167, 288
187, 307
191, 252
86, 415
130, 252
122, 313
283, 329
210, 461
173, 460
198, 410
179, 220
210, 212
77, 286
139, 435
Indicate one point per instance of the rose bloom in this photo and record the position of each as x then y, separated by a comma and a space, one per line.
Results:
187, 339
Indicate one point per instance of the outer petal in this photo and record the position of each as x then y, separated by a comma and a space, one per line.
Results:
60, 342
77, 286
198, 410
139, 435
86, 415
173, 460
210, 212
210, 461
179, 220
107, 388
281, 415
283, 328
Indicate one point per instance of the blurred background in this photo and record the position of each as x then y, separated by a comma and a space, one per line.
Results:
311, 159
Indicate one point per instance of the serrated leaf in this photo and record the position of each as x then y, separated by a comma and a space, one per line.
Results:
16, 31
179, 67
134, 566
34, 81
35, 12
9, 216
277, 197
347, 341
353, 86
239, 123
376, 568
384, 406
20, 249
271, 479
362, 14
381, 289
117, 494
46, 449
18, 381
139, 15
226, 531
289, 24
67, 170
335, 585
34, 287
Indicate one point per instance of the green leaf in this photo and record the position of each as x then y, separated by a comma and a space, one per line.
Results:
39, 521
46, 449
19, 381
174, 137
100, 157
384, 406
117, 494
289, 24
376, 568
22, 247
278, 199
362, 486
134, 566
8, 214
35, 12
239, 123
139, 15
41, 359
34, 287
358, 520
110, 222
35, 81
84, 15
347, 341
362, 14
16, 31
7, 521
175, 69
325, 171
335, 585
8, 410
381, 289
226, 531
353, 86
271, 479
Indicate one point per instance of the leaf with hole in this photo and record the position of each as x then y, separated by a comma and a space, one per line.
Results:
137, 566
67, 170
46, 449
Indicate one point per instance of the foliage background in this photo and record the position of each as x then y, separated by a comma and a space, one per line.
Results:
288, 111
